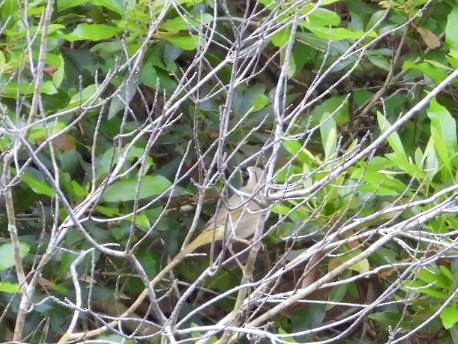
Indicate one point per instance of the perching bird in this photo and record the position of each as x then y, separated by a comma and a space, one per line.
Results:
237, 219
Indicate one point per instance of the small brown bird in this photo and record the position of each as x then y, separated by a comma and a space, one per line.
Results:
237, 219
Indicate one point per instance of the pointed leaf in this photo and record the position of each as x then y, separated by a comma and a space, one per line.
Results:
125, 190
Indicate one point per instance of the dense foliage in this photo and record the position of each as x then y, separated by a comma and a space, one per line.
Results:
124, 125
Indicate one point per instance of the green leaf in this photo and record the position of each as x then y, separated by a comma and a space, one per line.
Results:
375, 17
118, 232
125, 190
107, 48
379, 61
302, 54
38, 186
142, 221
452, 59
291, 64
377, 178
65, 261
260, 102
404, 164
91, 32
451, 28
393, 139
11, 90
280, 38
336, 294
433, 72
281, 209
58, 75
286, 339
440, 147
453, 334
107, 211
293, 147
188, 42
443, 132
328, 131
337, 34
6, 254
337, 106
250, 99
149, 262
430, 160
386, 319
420, 287
446, 273
11, 288
3, 65
180, 24
9, 8
308, 318
449, 316
123, 97
58, 62
156, 78
322, 17
40, 132
362, 266
77, 190
82, 96
432, 275
113, 5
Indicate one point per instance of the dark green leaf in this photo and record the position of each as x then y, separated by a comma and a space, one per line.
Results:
92, 32
125, 190
336, 294
123, 97
116, 6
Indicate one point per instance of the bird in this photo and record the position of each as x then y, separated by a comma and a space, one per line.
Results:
237, 219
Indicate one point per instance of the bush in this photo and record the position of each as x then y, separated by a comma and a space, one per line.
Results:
124, 128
